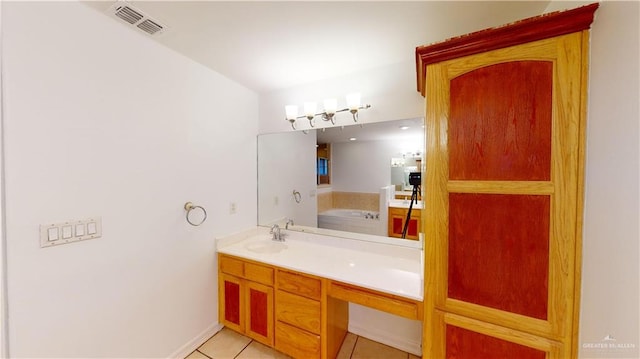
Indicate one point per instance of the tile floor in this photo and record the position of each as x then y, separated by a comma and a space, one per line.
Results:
227, 344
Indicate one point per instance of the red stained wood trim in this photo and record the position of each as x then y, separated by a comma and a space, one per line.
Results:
520, 32
499, 251
500, 123
259, 309
232, 302
463, 343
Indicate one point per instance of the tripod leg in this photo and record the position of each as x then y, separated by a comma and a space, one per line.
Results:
414, 197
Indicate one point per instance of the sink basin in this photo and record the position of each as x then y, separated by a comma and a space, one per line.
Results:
266, 246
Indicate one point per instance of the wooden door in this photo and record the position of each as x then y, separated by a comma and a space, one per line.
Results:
504, 147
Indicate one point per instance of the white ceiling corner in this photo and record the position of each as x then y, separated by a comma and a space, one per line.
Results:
267, 45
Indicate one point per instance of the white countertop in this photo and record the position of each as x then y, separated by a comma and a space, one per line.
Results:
387, 268
399, 203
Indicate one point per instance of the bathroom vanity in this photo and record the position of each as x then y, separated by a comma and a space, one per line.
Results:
398, 210
293, 295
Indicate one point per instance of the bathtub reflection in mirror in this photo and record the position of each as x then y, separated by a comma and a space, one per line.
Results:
354, 191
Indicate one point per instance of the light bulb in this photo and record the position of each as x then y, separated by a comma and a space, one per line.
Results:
291, 112
353, 101
330, 106
310, 109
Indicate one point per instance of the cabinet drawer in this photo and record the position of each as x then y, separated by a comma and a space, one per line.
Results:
258, 273
231, 266
298, 311
297, 342
395, 211
381, 301
299, 284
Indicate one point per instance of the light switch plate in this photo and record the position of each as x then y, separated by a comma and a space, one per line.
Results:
66, 232
70, 231
91, 228
52, 234
80, 230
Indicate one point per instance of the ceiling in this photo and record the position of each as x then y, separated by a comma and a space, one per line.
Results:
267, 46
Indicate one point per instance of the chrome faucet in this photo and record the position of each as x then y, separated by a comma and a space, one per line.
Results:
289, 222
277, 236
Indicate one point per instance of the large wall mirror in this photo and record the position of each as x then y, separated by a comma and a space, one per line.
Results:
351, 181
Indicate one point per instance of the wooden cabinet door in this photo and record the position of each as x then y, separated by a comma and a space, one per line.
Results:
259, 312
503, 149
231, 302
413, 230
397, 220
246, 298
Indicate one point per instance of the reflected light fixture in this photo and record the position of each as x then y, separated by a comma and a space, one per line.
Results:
310, 111
329, 112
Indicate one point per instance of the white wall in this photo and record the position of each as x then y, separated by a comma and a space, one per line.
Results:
390, 90
365, 166
287, 162
361, 166
3, 259
101, 121
611, 235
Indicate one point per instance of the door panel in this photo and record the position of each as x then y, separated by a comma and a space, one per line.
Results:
499, 251
258, 309
398, 225
259, 312
503, 143
412, 229
232, 302
461, 337
463, 343
500, 122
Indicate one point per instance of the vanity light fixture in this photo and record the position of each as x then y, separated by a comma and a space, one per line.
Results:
330, 110
310, 111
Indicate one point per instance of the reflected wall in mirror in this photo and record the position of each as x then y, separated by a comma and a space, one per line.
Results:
345, 175
286, 164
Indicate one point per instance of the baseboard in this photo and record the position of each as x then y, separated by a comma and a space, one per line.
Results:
194, 343
387, 338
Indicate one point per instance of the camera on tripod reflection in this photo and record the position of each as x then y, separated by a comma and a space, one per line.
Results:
415, 178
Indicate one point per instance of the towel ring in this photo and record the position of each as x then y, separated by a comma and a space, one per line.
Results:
190, 207
297, 196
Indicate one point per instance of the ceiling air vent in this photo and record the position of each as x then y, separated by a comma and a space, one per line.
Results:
137, 18
128, 14
149, 27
